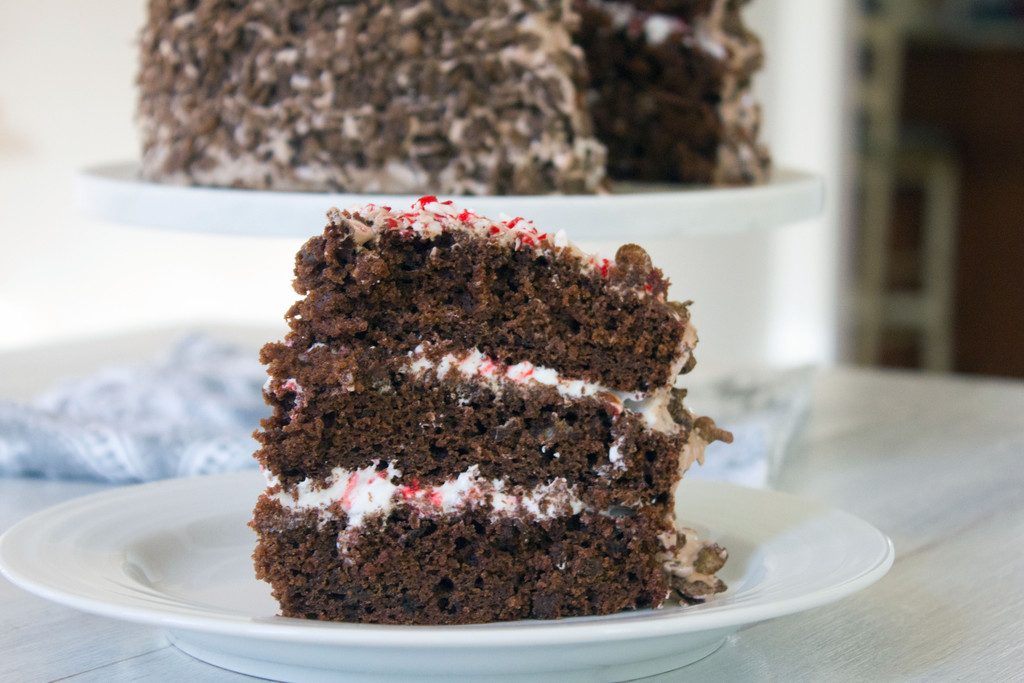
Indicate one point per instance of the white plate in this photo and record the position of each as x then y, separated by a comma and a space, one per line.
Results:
176, 554
115, 193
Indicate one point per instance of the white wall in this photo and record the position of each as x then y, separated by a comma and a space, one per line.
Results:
67, 70
67, 99
807, 89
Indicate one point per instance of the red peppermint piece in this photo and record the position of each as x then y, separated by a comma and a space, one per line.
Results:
410, 491
523, 373
350, 488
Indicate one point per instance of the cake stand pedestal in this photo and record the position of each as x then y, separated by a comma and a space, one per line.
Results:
631, 212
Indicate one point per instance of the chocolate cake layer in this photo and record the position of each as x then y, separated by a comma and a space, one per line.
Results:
360, 408
515, 298
464, 569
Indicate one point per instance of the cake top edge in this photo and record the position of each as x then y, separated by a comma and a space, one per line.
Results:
429, 217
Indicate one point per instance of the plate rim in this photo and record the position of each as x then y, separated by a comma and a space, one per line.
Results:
503, 634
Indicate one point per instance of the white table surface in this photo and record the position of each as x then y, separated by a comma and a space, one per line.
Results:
935, 462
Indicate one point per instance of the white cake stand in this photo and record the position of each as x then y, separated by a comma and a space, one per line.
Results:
115, 193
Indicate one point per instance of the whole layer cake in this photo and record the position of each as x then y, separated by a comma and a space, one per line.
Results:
475, 421
462, 96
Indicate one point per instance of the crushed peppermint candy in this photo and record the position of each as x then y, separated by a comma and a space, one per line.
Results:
430, 217
375, 490
653, 406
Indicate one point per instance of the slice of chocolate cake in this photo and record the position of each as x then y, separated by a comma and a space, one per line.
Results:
475, 421
670, 89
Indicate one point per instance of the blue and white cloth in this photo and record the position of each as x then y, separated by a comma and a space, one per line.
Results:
190, 412
193, 412
764, 410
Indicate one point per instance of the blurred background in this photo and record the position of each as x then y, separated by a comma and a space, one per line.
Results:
911, 110
939, 227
